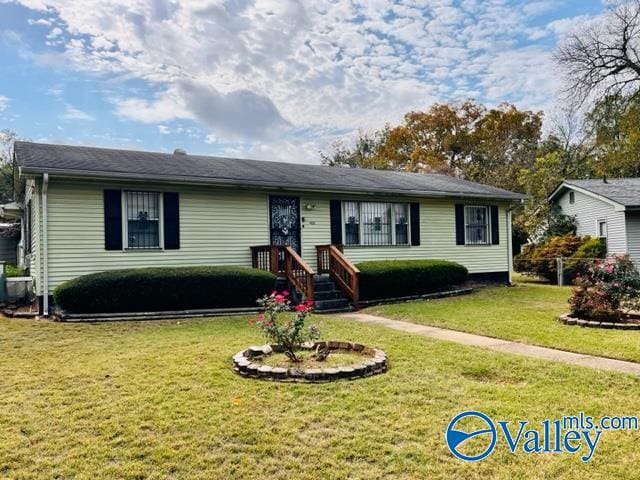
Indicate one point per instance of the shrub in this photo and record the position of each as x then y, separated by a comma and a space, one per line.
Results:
161, 289
540, 259
607, 291
401, 278
559, 224
583, 257
287, 331
14, 271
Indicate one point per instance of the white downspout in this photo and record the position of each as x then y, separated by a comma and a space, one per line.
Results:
510, 240
45, 256
509, 246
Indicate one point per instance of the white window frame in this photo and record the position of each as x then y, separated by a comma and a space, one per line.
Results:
392, 224
599, 222
125, 222
466, 224
572, 197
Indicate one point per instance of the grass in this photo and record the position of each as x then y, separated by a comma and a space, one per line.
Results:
526, 312
158, 400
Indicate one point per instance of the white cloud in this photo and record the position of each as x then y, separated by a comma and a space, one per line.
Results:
267, 71
73, 113
4, 102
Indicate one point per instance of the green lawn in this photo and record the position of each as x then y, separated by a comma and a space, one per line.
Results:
158, 400
526, 312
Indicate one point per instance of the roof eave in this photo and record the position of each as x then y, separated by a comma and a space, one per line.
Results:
617, 205
264, 185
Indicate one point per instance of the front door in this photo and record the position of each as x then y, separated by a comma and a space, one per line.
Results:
284, 221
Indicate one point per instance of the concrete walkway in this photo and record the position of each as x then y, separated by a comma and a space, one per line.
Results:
500, 345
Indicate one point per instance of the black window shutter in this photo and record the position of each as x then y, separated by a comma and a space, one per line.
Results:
495, 226
171, 221
459, 224
335, 215
415, 223
113, 220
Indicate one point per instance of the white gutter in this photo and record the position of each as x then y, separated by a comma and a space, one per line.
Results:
45, 256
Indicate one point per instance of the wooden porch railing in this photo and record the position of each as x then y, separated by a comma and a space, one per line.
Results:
331, 260
284, 261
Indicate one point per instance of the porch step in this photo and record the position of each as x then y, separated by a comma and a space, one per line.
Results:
336, 305
327, 297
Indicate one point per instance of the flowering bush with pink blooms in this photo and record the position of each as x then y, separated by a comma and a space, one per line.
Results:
284, 328
608, 290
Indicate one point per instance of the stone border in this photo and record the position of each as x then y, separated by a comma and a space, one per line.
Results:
247, 364
567, 319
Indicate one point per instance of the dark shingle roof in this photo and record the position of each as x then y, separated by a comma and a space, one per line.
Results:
74, 160
625, 191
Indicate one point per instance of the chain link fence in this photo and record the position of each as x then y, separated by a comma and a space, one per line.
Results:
557, 270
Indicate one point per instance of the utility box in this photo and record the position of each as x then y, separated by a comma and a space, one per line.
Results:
18, 290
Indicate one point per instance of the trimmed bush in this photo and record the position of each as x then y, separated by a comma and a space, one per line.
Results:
403, 278
163, 289
540, 259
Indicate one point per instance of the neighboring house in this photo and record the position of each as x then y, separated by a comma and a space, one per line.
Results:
606, 208
92, 209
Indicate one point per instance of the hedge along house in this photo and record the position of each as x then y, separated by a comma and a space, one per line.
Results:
91, 209
605, 208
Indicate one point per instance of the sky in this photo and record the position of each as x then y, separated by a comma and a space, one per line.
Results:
269, 79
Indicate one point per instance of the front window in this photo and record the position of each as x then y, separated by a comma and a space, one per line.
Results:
476, 219
376, 223
143, 219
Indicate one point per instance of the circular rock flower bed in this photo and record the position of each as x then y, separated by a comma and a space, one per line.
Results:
267, 362
606, 295
632, 322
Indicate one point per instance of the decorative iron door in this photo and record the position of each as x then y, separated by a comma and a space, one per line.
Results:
284, 219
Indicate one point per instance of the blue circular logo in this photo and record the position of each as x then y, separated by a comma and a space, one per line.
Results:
457, 437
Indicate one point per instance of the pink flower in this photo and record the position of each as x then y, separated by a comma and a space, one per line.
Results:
301, 307
285, 293
279, 298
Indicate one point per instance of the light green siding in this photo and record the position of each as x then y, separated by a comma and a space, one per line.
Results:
437, 235
217, 227
33, 194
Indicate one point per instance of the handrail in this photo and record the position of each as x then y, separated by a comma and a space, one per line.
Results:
284, 261
346, 275
299, 273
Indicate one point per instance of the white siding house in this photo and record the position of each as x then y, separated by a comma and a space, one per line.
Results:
608, 208
86, 206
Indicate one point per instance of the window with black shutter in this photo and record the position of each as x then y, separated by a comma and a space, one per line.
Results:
376, 223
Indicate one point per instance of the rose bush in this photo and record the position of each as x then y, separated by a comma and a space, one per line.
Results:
608, 290
283, 327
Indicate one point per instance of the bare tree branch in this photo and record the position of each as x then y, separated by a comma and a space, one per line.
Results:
603, 59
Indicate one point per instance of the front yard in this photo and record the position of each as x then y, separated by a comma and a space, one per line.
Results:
159, 400
526, 312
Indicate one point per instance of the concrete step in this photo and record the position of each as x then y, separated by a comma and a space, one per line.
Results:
328, 295
335, 304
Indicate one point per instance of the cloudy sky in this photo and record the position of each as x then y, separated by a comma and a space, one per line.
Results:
268, 79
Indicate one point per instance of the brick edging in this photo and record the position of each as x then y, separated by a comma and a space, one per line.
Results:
247, 364
567, 319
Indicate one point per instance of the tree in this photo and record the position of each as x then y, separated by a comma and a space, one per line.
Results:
363, 154
613, 126
603, 59
505, 140
7, 138
438, 140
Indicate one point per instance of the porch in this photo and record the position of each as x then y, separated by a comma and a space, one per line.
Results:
334, 270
